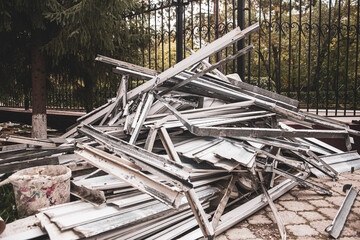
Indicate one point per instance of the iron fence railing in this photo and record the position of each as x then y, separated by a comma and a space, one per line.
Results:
306, 49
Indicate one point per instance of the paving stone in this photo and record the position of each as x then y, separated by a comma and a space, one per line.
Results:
343, 176
320, 225
239, 233
348, 232
221, 237
302, 230
357, 202
355, 224
336, 200
352, 216
338, 190
306, 194
267, 209
311, 216
317, 180
261, 212
287, 196
353, 176
307, 238
321, 203
330, 213
279, 207
242, 224
297, 205
349, 181
269, 231
259, 219
332, 184
288, 217
355, 210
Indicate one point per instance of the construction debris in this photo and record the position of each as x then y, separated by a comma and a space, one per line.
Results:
339, 221
187, 154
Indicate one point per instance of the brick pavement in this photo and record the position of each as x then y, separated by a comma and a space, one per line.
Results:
305, 214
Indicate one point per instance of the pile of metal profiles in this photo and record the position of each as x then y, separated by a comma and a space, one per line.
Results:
187, 154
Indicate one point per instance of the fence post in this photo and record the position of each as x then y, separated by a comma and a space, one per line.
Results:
241, 44
179, 29
217, 30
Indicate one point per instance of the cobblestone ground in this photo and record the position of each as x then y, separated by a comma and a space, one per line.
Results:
305, 214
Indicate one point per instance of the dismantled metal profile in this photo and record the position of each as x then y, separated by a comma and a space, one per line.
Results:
335, 228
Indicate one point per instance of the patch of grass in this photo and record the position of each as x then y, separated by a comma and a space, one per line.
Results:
7, 206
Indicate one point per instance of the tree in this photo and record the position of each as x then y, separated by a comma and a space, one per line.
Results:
51, 37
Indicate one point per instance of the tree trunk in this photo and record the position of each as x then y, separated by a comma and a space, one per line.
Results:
38, 77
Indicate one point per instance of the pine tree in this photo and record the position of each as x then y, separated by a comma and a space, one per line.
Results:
47, 37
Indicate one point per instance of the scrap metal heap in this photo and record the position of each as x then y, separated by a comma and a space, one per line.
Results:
187, 154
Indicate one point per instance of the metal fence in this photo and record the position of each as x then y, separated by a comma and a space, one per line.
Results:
306, 49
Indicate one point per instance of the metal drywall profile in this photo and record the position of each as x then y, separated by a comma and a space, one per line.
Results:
134, 74
18, 165
335, 228
125, 65
264, 92
223, 202
191, 196
176, 113
266, 132
315, 164
245, 210
217, 45
33, 155
341, 162
206, 63
139, 230
313, 143
137, 179
214, 109
250, 132
25, 228
89, 120
139, 124
157, 165
53, 231
121, 91
137, 216
276, 214
276, 143
298, 179
26, 140
209, 69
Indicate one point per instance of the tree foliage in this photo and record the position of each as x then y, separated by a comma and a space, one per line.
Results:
73, 33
